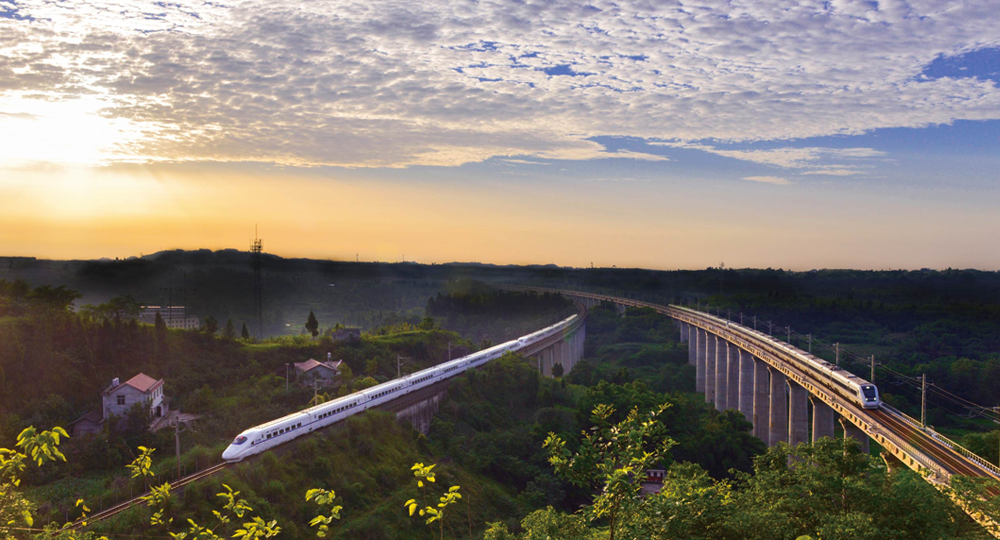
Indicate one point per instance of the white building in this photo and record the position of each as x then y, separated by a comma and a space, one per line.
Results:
172, 315
120, 397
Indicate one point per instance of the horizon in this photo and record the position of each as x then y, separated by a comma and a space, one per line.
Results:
158, 253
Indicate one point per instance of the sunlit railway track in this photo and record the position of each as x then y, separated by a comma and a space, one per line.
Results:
174, 486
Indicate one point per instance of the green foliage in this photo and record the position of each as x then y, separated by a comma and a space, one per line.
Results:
244, 333
141, 466
211, 325
613, 459
424, 473
42, 447
229, 332
312, 325
325, 500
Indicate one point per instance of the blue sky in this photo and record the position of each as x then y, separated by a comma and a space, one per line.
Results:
887, 112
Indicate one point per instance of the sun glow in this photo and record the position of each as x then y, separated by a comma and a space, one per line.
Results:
35, 132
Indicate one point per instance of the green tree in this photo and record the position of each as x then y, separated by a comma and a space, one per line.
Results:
613, 460
38, 448
557, 370
211, 325
427, 324
312, 325
229, 332
244, 333
425, 476
160, 325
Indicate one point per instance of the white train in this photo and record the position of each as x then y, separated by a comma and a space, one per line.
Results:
266, 436
841, 381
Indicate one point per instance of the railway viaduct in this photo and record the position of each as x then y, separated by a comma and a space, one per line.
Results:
742, 369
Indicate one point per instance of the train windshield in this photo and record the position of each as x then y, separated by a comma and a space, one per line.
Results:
869, 392
240, 440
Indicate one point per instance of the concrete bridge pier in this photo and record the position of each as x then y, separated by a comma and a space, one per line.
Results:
850, 430
823, 418
778, 410
761, 400
685, 329
717, 354
699, 362
733, 378
746, 384
706, 351
798, 413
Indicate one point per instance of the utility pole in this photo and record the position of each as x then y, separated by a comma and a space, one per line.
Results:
741, 318
789, 328
449, 351
923, 401
770, 328
754, 322
873, 369
286, 376
836, 349
177, 442
810, 337
399, 364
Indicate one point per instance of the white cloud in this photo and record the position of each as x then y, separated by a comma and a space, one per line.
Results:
395, 83
769, 180
814, 159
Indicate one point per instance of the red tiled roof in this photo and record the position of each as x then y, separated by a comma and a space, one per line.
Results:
141, 382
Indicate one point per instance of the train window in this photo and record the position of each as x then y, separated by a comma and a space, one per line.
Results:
268, 435
240, 440
869, 392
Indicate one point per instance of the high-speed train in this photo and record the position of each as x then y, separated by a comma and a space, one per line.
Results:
841, 381
268, 435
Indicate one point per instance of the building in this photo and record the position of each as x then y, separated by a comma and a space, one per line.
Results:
172, 315
87, 424
345, 334
312, 372
120, 397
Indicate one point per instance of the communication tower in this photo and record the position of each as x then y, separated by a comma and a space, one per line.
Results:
256, 249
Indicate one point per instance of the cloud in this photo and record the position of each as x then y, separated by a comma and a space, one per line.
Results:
790, 157
769, 180
388, 83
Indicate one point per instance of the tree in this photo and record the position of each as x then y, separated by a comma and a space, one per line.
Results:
211, 325
425, 473
427, 324
229, 332
312, 325
244, 333
37, 447
613, 460
557, 370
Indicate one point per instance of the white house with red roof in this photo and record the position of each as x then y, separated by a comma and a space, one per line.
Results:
121, 396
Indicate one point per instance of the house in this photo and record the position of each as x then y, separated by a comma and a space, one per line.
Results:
312, 372
120, 397
88, 424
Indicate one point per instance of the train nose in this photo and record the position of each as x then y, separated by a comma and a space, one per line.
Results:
229, 454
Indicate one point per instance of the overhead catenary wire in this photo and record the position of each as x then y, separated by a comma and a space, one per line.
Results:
910, 382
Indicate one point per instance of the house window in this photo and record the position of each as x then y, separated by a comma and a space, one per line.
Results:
121, 399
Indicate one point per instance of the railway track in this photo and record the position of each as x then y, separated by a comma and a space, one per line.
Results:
123, 506
945, 457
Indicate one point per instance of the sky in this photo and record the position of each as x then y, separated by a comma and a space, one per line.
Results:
658, 134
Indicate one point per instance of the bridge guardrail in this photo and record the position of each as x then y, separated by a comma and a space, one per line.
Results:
954, 446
